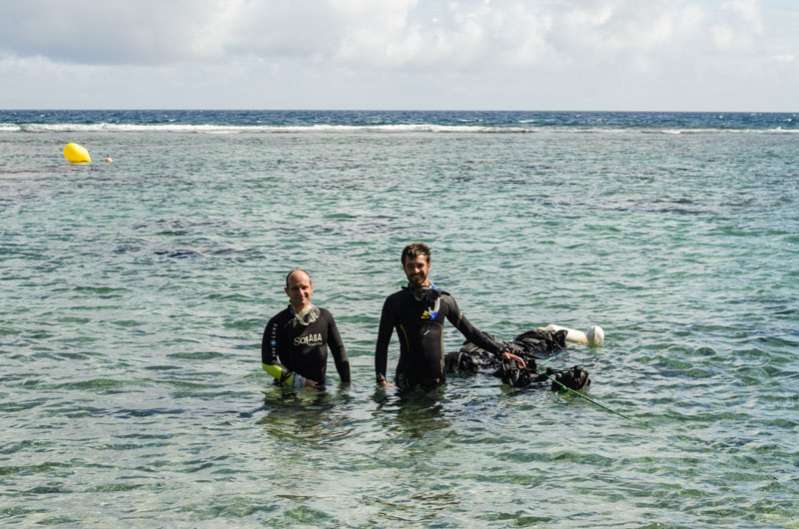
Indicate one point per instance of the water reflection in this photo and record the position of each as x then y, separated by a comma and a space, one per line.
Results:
412, 413
417, 427
309, 416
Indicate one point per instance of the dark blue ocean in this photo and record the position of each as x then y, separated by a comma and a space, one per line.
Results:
443, 121
133, 296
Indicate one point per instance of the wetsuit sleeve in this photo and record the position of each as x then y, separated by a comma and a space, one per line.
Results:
383, 339
339, 353
269, 343
469, 331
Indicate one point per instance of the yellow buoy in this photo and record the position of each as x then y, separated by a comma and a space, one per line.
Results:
75, 153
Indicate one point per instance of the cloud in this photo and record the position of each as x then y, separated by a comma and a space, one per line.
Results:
273, 52
112, 32
383, 34
172, 31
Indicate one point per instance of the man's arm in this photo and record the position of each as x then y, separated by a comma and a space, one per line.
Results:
269, 354
385, 329
469, 331
476, 336
339, 353
269, 343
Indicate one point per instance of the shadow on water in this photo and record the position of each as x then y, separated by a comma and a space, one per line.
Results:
309, 415
412, 413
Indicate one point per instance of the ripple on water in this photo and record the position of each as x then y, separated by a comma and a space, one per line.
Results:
131, 359
196, 355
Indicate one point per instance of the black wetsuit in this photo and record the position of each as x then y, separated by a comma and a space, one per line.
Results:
418, 315
302, 346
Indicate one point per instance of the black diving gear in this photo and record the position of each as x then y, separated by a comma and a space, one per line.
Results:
531, 345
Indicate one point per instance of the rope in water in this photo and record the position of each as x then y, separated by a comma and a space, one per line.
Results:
589, 399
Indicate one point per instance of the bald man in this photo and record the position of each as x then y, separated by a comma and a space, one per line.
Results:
296, 340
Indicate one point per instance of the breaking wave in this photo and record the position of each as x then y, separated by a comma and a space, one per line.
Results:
524, 128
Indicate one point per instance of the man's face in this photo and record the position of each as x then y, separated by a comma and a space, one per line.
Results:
299, 290
417, 269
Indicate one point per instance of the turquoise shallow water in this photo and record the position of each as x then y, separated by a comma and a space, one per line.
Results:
134, 296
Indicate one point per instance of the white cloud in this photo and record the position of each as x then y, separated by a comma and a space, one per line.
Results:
385, 34
111, 32
723, 37
785, 58
358, 49
747, 12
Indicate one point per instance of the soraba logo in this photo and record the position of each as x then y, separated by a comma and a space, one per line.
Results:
309, 339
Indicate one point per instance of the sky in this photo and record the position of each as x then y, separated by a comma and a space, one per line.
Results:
660, 55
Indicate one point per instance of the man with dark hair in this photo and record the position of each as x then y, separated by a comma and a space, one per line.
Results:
296, 340
418, 312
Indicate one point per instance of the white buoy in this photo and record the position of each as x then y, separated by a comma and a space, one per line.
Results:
596, 336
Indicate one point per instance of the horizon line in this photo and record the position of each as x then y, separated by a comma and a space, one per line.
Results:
194, 109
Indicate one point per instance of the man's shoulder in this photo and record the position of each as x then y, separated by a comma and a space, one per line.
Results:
398, 295
445, 295
405, 293
280, 316
448, 300
324, 313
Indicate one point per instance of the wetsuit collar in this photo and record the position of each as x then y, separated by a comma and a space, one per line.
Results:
428, 294
306, 316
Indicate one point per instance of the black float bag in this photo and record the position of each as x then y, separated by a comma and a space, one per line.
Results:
531, 345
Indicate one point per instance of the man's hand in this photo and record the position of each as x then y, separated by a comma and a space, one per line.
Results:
507, 355
383, 383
